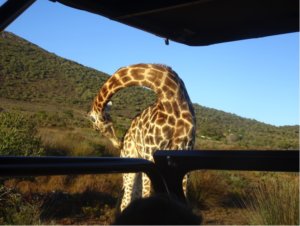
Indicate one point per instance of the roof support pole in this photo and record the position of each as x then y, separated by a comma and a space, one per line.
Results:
11, 9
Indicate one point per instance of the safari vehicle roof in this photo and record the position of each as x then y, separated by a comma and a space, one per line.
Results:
199, 22
191, 22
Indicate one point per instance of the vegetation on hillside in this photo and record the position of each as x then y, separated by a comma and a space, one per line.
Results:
18, 136
237, 132
29, 73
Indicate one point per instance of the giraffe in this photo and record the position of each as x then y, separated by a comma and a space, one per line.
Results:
169, 124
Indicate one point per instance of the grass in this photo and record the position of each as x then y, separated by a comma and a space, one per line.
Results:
70, 199
206, 189
275, 201
75, 142
89, 204
108, 183
271, 198
256, 198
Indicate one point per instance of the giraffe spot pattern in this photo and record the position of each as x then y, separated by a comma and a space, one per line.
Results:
168, 124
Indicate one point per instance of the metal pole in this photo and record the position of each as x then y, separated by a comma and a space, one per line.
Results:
11, 9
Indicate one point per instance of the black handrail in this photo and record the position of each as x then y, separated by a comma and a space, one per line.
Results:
24, 166
173, 165
283, 161
166, 172
42, 166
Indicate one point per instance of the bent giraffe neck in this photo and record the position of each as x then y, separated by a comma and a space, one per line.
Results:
160, 79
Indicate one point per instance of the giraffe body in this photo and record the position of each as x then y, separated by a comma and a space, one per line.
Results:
169, 124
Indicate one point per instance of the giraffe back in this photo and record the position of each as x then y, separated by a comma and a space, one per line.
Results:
169, 123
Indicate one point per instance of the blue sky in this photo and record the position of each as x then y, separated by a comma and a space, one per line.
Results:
256, 78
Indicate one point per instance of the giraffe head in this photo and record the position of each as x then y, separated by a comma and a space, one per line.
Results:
102, 123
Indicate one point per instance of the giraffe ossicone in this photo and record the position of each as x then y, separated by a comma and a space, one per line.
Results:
169, 124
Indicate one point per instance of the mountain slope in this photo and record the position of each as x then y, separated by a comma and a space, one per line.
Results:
41, 76
243, 133
31, 74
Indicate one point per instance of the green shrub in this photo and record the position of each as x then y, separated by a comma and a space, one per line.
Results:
18, 136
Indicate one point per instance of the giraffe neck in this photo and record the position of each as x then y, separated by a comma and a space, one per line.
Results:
160, 79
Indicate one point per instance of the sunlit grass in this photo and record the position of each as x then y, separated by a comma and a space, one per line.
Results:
75, 142
275, 201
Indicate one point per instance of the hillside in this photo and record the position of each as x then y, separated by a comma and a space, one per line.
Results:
33, 77
239, 132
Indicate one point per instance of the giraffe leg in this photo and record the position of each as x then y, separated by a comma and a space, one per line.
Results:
128, 181
132, 182
184, 184
146, 186
146, 182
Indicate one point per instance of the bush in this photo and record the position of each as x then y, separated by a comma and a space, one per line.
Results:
18, 136
15, 210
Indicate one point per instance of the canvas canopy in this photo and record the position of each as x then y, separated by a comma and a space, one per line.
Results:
191, 22
199, 22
